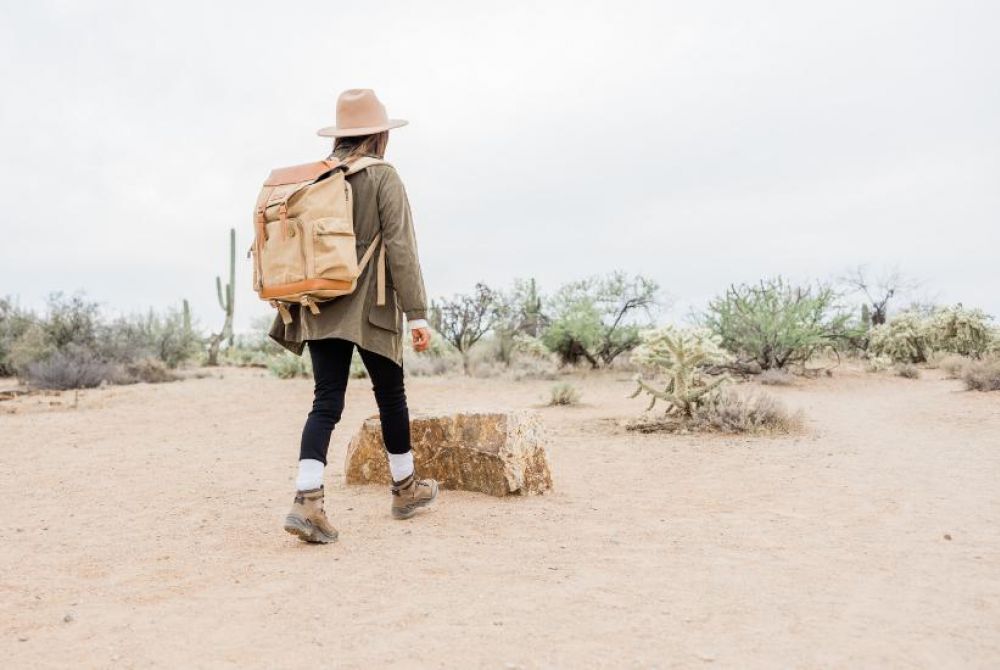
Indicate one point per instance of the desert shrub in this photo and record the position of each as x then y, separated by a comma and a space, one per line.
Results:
242, 357
906, 338
287, 365
440, 358
775, 324
982, 375
731, 412
599, 318
72, 321
14, 322
464, 319
253, 349
169, 338
678, 354
878, 363
908, 371
420, 365
531, 347
74, 327
776, 377
961, 330
915, 335
69, 368
952, 365
148, 370
516, 312
530, 367
564, 394
33, 345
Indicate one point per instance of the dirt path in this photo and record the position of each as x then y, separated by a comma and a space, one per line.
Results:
150, 518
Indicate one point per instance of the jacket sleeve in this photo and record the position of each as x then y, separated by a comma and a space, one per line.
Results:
400, 243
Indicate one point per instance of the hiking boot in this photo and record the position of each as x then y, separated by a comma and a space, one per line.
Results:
411, 494
307, 519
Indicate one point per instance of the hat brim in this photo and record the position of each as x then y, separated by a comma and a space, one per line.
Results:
334, 131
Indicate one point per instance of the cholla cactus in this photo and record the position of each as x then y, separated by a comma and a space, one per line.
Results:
907, 338
878, 363
531, 346
678, 353
961, 331
911, 337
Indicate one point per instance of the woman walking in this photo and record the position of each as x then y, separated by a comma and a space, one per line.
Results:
374, 326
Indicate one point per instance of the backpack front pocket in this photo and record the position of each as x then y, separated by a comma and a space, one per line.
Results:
282, 261
333, 249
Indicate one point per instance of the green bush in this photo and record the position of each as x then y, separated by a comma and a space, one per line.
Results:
168, 338
72, 344
14, 322
599, 318
775, 324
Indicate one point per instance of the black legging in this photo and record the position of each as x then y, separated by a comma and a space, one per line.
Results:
331, 362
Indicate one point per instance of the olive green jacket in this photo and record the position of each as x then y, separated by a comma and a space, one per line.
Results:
380, 204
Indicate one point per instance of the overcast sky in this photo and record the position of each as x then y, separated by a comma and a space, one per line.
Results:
701, 143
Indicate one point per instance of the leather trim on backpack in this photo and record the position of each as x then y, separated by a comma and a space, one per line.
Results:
300, 173
304, 286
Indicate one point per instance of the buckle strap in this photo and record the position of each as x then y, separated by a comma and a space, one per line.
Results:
286, 316
379, 269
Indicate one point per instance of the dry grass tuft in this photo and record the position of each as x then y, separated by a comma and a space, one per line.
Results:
908, 371
70, 369
564, 394
729, 412
150, 371
776, 377
982, 375
953, 365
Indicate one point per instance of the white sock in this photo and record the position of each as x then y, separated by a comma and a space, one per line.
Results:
310, 474
401, 466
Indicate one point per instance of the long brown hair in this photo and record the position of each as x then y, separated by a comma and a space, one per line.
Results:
362, 145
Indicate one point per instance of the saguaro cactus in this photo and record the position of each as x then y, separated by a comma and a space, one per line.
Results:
227, 298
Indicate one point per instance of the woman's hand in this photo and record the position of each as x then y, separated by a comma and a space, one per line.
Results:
421, 338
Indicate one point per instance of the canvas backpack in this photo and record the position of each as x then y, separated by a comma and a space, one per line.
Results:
304, 249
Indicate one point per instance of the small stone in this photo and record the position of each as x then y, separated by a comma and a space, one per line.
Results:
22, 639
947, 536
69, 618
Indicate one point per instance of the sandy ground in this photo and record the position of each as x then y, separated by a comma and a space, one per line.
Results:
141, 528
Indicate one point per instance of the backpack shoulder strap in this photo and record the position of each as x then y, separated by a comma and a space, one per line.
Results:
364, 162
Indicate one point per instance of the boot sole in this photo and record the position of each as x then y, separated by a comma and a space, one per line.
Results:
407, 512
307, 532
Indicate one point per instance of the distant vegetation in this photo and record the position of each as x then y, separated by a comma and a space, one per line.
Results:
774, 328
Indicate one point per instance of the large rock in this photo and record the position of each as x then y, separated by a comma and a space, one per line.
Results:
495, 453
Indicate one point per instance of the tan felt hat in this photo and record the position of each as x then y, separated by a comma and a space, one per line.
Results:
359, 112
